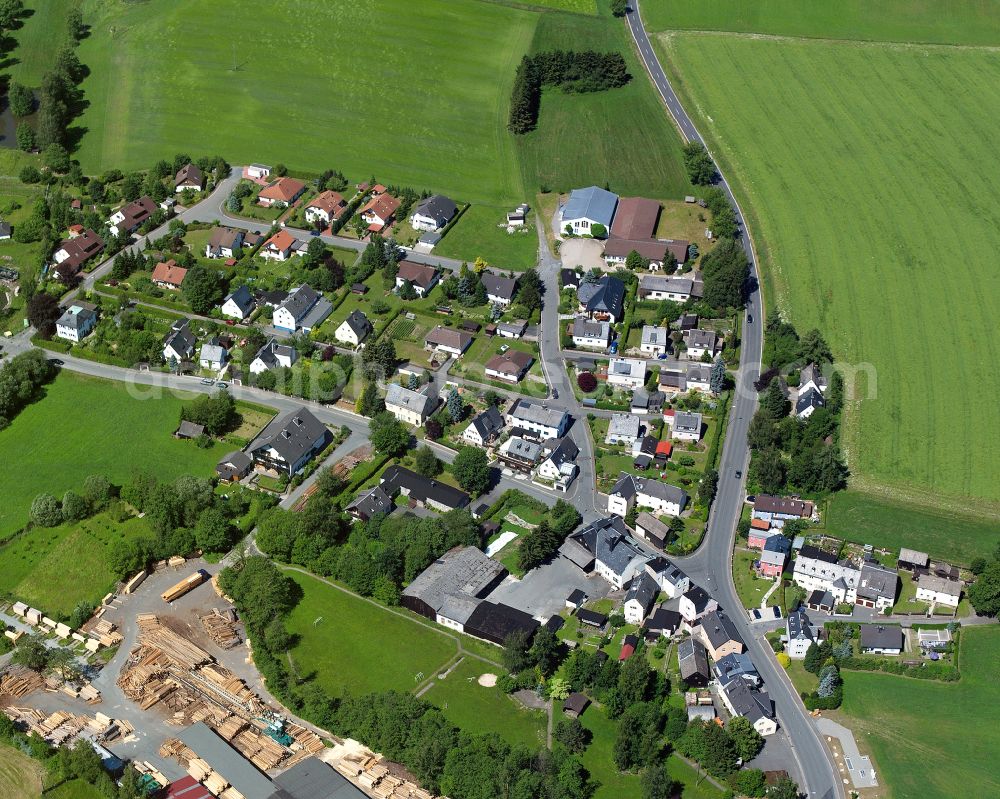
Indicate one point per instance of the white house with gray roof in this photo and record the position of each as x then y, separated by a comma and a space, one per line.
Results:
640, 598
623, 428
701, 342
484, 428
558, 463
213, 355
76, 323
654, 340
606, 547
289, 442
239, 304
412, 407
742, 699
645, 492
303, 309
686, 427
273, 355
627, 373
499, 289
538, 420
354, 329
591, 334
586, 208
939, 590
676, 289
179, 343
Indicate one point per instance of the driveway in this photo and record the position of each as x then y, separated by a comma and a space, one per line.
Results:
585, 253
542, 592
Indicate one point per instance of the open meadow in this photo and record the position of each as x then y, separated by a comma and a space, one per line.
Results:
83, 426
928, 738
933, 21
875, 205
20, 776
44, 25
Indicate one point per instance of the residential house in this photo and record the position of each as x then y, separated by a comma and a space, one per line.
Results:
500, 290
370, 503
325, 207
280, 247
239, 304
774, 554
656, 253
484, 428
811, 377
168, 275
412, 407
603, 299
77, 322
719, 635
354, 329
587, 333
519, 216
289, 442
876, 586
537, 419
692, 660
380, 212
281, 193
645, 492
743, 700
686, 426
878, 639
760, 531
420, 276
451, 588
131, 217
676, 289
606, 548
587, 208
690, 377
816, 570
558, 465
74, 252
799, 633
780, 509
654, 340
520, 455
448, 340
701, 342
623, 428
515, 329
273, 356
424, 491
672, 581
569, 279
303, 309
939, 590
189, 177
695, 603
213, 355
646, 402
807, 402
224, 242
662, 622
433, 213
821, 601
639, 598
635, 218
628, 373
509, 366
736, 666
257, 172
234, 467
179, 343
933, 640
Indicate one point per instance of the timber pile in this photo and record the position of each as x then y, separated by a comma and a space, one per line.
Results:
181, 651
223, 627
18, 682
260, 749
373, 774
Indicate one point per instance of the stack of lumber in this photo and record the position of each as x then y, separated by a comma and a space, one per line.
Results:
181, 651
307, 739
216, 783
260, 749
223, 627
17, 682
90, 694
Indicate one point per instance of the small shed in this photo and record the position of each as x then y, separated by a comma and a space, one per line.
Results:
575, 704
592, 618
20, 608
189, 430
358, 288
576, 599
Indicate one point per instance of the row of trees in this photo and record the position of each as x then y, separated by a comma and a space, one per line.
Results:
984, 593
576, 72
60, 97
216, 412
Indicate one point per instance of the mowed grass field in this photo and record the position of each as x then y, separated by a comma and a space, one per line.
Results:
37, 39
622, 137
477, 235
932, 21
85, 425
20, 776
871, 186
932, 740
414, 92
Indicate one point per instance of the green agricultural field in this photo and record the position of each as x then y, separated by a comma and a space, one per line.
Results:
621, 137
579, 6
470, 706
953, 22
20, 776
928, 737
482, 233
55, 569
875, 217
85, 426
868, 520
385, 87
358, 646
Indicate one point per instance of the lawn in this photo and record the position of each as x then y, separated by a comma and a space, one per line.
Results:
929, 737
37, 38
481, 232
622, 137
20, 776
749, 587
74, 789
869, 520
472, 707
811, 138
959, 22
391, 71
350, 644
85, 425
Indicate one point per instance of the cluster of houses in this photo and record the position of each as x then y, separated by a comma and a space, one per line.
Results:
608, 548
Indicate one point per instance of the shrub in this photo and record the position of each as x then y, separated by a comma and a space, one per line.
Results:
46, 511
586, 381
783, 660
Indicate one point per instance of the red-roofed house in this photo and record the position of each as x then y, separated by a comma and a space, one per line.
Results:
282, 192
168, 275
75, 230
280, 247
663, 450
325, 207
379, 212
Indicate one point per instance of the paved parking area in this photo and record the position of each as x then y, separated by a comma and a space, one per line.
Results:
543, 591
858, 766
585, 253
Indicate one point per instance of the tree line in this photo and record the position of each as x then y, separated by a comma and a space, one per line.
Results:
21, 382
574, 72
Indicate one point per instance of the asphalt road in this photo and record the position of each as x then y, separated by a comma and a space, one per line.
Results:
711, 565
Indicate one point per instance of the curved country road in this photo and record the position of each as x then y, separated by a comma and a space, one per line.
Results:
711, 565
